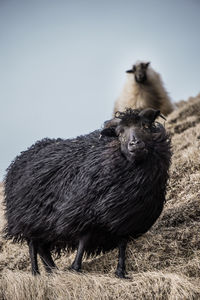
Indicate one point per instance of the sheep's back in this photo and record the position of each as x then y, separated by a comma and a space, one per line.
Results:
39, 179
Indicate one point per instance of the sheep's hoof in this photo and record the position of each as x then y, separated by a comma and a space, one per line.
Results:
75, 268
121, 274
35, 273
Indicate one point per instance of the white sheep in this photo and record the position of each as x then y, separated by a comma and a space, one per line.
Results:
144, 88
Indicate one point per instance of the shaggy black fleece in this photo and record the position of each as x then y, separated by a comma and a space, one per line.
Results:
59, 189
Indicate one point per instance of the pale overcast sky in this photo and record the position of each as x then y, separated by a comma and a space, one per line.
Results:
62, 63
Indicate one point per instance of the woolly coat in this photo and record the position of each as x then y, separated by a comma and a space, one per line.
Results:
59, 189
149, 94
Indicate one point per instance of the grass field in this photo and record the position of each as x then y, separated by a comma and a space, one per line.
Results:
163, 264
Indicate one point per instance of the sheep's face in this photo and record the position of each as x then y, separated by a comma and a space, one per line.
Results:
133, 140
140, 72
135, 131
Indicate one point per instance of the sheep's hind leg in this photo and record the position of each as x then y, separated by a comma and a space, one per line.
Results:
33, 250
76, 266
46, 258
121, 267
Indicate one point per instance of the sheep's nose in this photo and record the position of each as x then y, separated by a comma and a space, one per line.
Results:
135, 143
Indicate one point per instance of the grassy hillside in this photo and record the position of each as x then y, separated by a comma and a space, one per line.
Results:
163, 264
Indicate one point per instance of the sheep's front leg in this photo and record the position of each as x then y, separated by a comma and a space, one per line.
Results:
33, 256
46, 258
79, 255
121, 267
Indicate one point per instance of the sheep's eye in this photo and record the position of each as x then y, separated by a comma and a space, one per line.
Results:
145, 126
123, 139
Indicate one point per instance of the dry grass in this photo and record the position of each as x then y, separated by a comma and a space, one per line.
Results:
163, 264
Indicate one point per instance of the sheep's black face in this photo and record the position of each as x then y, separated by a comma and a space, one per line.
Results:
136, 132
133, 139
139, 70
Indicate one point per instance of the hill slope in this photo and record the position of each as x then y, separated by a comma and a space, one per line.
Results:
163, 264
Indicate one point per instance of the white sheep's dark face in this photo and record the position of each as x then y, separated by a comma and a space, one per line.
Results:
140, 72
135, 131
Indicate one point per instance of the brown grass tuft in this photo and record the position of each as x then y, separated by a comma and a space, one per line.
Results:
163, 264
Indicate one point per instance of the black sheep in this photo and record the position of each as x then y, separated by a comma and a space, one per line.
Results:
95, 192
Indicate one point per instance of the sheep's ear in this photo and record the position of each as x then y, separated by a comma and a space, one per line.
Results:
129, 71
109, 128
108, 132
147, 64
150, 114
132, 70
